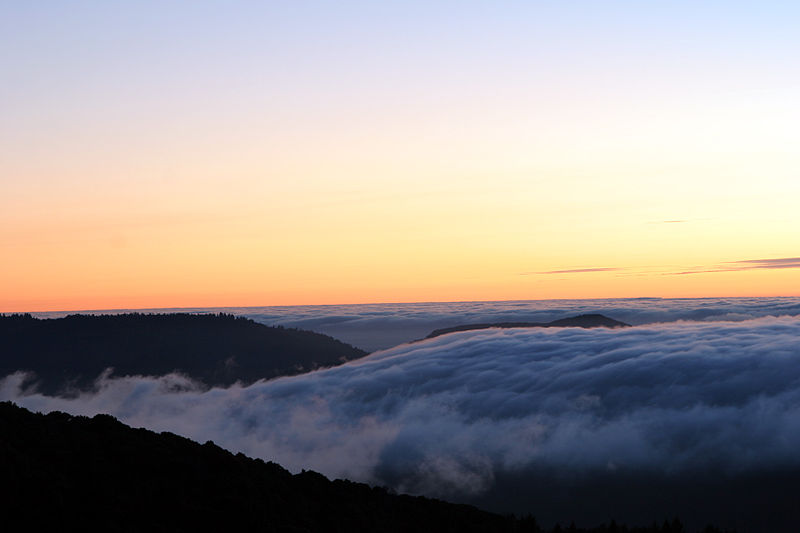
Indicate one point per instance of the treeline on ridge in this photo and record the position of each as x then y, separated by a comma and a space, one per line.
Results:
215, 349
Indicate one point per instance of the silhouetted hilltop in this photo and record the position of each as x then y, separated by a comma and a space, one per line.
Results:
61, 471
68, 473
580, 321
213, 349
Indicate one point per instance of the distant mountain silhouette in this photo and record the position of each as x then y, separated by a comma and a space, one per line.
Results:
580, 321
73, 473
71, 352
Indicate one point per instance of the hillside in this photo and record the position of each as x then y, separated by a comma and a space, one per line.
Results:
96, 473
580, 321
66, 473
71, 352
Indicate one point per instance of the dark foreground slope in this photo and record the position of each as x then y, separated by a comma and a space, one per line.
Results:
580, 321
72, 473
213, 349
60, 471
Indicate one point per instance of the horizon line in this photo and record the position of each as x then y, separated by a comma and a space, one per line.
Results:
185, 307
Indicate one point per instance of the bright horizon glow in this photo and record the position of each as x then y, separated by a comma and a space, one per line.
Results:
201, 155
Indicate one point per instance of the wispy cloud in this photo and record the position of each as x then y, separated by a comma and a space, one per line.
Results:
577, 270
780, 262
745, 264
701, 271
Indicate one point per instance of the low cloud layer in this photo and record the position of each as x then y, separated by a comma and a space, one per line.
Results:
381, 326
447, 416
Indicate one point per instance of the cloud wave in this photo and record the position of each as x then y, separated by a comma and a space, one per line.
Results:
447, 416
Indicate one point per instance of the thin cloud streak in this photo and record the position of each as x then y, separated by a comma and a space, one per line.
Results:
580, 270
704, 271
745, 264
780, 262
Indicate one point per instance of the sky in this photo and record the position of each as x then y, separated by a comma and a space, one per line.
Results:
174, 154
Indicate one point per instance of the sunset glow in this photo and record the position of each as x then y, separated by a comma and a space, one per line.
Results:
202, 154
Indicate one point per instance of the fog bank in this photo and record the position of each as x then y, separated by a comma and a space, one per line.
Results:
447, 415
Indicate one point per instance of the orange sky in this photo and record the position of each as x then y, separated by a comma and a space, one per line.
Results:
369, 156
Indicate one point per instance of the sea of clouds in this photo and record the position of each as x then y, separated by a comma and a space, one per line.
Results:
381, 326
447, 416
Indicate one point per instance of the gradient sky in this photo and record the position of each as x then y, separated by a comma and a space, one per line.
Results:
159, 154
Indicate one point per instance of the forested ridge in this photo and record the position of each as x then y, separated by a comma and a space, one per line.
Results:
214, 349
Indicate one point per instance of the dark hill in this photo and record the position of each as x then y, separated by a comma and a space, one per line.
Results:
71, 352
70, 473
73, 473
580, 321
